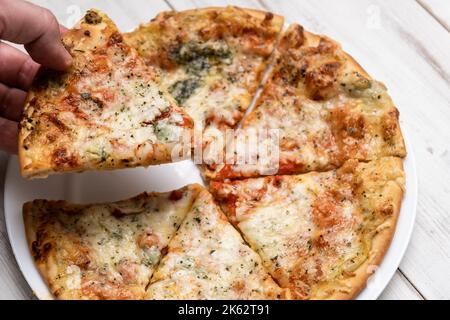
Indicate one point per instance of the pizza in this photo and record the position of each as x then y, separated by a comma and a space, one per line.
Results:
107, 112
321, 235
211, 60
207, 259
325, 108
307, 212
103, 251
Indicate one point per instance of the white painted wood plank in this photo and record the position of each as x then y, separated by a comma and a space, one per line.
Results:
400, 289
440, 9
12, 283
127, 14
409, 53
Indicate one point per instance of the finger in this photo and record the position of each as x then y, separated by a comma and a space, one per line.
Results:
62, 29
37, 28
11, 102
17, 69
9, 131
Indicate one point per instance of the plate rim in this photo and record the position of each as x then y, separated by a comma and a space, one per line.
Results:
411, 194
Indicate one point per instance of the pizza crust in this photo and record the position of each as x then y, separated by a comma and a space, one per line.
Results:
258, 14
326, 108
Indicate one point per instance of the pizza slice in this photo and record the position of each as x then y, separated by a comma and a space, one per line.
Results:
322, 235
207, 259
211, 59
324, 108
106, 112
103, 251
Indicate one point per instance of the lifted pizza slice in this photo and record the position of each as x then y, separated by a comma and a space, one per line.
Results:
106, 112
322, 235
207, 259
325, 108
103, 251
211, 59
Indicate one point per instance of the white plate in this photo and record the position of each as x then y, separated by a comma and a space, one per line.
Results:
116, 185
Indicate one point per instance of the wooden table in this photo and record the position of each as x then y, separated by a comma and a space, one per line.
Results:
405, 44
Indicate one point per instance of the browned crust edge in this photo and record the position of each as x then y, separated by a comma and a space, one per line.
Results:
30, 223
260, 14
380, 244
42, 168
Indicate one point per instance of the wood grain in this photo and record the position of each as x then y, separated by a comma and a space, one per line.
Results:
12, 282
127, 14
400, 289
439, 9
402, 43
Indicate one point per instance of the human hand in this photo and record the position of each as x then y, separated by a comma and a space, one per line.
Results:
38, 30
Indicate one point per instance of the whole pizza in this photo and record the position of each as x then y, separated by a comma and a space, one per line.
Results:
310, 219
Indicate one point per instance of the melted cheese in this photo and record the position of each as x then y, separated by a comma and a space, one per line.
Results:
314, 230
211, 60
108, 111
282, 225
326, 109
208, 259
114, 245
223, 94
